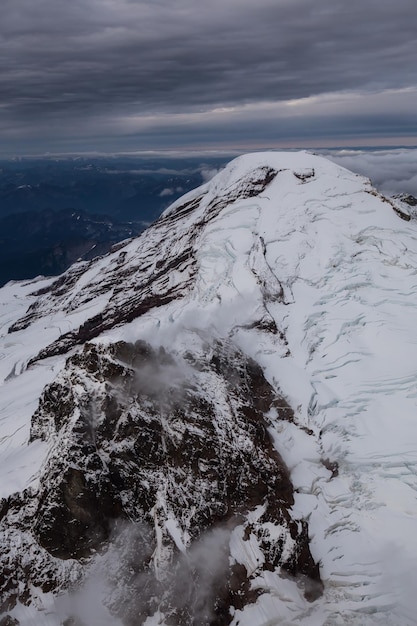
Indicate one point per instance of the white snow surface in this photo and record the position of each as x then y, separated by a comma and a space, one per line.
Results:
345, 267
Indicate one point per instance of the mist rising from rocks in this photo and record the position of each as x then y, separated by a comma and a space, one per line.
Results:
123, 586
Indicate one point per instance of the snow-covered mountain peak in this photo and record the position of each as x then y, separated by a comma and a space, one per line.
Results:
177, 256
262, 327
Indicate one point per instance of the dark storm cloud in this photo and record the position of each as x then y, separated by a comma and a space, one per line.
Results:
80, 67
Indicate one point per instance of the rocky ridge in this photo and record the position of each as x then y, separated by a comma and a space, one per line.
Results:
191, 435
137, 442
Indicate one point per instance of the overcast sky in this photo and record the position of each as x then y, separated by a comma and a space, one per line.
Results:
126, 75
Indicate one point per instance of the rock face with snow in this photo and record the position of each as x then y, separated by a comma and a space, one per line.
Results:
214, 423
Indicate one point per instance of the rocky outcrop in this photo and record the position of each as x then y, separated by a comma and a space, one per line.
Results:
163, 460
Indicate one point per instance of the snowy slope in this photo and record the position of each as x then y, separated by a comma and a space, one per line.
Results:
305, 269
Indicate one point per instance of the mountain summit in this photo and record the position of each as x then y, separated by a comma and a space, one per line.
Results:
215, 423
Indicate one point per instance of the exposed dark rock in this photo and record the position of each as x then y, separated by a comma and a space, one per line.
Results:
406, 208
332, 466
407, 198
404, 216
156, 460
139, 437
74, 518
305, 176
9, 621
23, 563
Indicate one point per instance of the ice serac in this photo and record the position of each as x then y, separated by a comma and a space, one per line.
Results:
215, 422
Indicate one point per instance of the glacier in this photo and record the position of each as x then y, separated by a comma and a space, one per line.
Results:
284, 262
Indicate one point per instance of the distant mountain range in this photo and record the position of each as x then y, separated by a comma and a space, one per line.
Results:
47, 242
56, 211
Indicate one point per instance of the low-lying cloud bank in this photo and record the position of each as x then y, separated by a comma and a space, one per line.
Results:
391, 171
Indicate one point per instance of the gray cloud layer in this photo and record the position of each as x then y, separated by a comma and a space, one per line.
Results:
391, 171
91, 68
